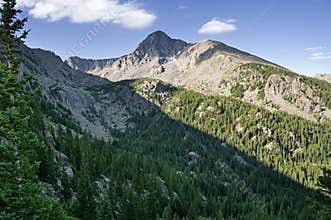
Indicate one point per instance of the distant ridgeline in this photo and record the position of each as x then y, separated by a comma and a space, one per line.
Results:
185, 152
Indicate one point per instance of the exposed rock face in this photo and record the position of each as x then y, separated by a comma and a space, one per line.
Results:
271, 147
62, 159
209, 67
159, 44
95, 103
102, 185
88, 65
155, 91
197, 66
326, 77
202, 66
48, 189
277, 89
48, 67
63, 86
293, 96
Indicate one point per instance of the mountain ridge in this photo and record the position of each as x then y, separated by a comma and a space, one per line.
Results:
214, 68
326, 77
91, 65
156, 41
159, 44
179, 65
169, 123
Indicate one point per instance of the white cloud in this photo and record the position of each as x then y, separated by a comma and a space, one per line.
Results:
314, 49
129, 14
182, 7
321, 56
231, 20
318, 53
216, 26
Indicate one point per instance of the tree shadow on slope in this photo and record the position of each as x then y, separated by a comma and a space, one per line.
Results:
203, 175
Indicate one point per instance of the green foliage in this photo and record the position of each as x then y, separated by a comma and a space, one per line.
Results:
149, 165
323, 89
149, 168
11, 34
262, 73
297, 147
266, 70
261, 94
324, 183
238, 90
322, 202
20, 193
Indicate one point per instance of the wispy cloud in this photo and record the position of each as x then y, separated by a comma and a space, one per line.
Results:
318, 53
231, 20
216, 26
321, 56
182, 7
314, 49
129, 15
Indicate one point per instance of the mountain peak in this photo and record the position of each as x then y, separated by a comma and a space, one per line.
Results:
159, 44
158, 34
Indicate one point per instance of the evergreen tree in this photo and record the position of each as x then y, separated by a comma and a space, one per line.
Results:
324, 198
86, 189
324, 183
104, 209
20, 193
11, 32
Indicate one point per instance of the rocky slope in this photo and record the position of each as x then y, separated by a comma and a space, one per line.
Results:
89, 65
69, 92
197, 66
213, 68
141, 107
326, 77
278, 89
220, 148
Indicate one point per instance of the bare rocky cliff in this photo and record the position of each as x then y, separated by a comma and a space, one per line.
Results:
159, 44
326, 77
198, 66
214, 68
89, 65
80, 95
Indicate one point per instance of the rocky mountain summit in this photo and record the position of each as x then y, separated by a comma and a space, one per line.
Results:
159, 44
214, 68
174, 61
209, 67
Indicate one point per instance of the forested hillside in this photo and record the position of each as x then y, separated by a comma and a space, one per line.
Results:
75, 146
20, 190
181, 165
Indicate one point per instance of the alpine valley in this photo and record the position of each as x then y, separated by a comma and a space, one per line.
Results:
178, 130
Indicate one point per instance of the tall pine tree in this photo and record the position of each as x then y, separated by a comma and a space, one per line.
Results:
20, 192
323, 205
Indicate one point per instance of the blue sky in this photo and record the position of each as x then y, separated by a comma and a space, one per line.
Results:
293, 33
